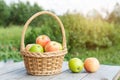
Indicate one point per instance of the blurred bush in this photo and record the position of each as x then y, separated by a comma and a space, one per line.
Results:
87, 33
9, 52
4, 13
80, 32
17, 13
114, 16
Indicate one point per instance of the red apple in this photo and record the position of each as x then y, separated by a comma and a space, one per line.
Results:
42, 40
91, 64
28, 46
53, 46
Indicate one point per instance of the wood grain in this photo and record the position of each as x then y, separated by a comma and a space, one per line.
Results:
104, 73
16, 71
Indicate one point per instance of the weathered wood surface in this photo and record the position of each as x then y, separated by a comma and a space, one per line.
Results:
17, 71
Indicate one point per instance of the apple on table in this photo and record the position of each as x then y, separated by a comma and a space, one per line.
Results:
75, 65
91, 64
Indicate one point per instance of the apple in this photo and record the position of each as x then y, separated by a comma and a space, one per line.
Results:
91, 64
28, 46
53, 46
76, 65
42, 40
36, 48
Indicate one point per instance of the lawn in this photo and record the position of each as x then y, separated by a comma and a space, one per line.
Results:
108, 56
10, 34
10, 44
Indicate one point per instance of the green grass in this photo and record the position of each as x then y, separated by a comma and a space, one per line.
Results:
10, 36
105, 56
10, 43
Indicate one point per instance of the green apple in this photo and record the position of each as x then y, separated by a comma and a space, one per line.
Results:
76, 65
36, 48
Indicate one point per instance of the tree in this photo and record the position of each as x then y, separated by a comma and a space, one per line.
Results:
21, 12
4, 13
114, 16
94, 14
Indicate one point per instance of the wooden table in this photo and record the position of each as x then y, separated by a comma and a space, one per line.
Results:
16, 71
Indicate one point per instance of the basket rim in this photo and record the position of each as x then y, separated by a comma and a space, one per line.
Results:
45, 54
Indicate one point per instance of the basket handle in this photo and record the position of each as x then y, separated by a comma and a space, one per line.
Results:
36, 15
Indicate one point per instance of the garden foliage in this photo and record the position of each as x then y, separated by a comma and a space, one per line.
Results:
82, 33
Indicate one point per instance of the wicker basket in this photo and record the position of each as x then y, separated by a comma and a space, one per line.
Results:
47, 63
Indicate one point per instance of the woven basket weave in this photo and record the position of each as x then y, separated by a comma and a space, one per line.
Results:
47, 63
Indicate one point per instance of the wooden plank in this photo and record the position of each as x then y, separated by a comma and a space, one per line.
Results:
11, 67
104, 73
20, 73
29, 77
68, 75
65, 75
13, 75
117, 76
12, 71
17, 71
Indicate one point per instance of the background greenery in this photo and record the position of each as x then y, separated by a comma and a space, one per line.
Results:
90, 36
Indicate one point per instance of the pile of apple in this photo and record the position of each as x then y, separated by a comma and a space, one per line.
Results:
43, 44
90, 65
